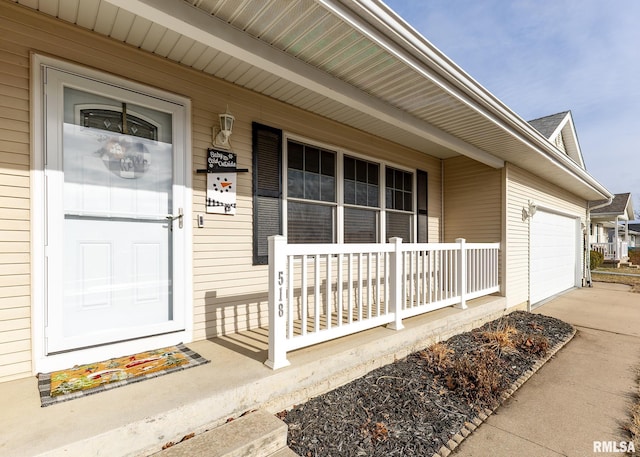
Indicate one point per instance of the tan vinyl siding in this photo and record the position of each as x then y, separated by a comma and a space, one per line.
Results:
472, 201
229, 292
523, 187
15, 306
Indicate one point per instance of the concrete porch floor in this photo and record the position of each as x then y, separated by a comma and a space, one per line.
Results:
138, 419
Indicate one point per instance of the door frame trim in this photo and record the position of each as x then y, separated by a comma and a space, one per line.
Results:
41, 362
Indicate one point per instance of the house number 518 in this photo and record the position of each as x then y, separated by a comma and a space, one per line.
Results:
280, 292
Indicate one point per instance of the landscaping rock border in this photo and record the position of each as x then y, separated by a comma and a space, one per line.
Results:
469, 427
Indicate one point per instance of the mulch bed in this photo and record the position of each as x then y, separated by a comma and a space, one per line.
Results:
414, 406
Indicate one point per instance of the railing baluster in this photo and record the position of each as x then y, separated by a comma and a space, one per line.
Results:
290, 299
369, 291
339, 287
411, 280
359, 286
328, 302
316, 294
350, 288
303, 284
430, 278
387, 280
378, 256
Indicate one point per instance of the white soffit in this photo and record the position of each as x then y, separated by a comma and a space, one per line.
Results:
300, 52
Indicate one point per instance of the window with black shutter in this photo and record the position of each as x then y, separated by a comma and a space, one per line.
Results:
267, 189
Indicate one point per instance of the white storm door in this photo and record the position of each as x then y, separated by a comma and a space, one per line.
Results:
114, 197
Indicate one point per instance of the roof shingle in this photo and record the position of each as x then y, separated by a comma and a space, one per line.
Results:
548, 124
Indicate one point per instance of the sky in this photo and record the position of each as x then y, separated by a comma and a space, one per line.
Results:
542, 57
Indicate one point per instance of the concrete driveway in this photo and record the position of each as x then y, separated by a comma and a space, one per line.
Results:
578, 403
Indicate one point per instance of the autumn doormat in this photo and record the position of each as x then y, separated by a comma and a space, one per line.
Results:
64, 385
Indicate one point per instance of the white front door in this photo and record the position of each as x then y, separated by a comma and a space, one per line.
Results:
114, 198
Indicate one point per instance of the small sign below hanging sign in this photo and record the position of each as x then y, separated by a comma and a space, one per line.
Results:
221, 193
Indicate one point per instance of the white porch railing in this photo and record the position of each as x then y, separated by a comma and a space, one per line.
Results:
319, 292
610, 252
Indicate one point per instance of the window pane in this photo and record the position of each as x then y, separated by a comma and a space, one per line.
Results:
360, 226
328, 189
350, 192
312, 186
388, 196
295, 185
361, 171
309, 223
328, 163
349, 168
399, 181
373, 195
374, 171
399, 200
408, 182
389, 177
361, 194
399, 225
295, 155
311, 159
408, 201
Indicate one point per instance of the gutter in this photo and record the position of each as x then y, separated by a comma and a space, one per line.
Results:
417, 52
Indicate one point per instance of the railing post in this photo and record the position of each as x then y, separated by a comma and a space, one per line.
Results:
462, 273
395, 283
278, 306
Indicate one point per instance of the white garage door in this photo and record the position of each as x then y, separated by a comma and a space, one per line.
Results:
554, 252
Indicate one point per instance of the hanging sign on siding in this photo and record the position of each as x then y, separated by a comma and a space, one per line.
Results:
221, 182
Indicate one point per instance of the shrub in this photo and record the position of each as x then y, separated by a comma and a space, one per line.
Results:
596, 259
534, 344
477, 376
502, 338
634, 255
438, 357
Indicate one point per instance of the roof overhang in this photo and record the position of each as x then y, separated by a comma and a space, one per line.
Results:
355, 62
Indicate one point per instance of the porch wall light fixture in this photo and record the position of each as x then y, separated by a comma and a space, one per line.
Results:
221, 140
529, 211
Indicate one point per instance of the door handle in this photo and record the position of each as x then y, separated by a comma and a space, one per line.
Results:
172, 218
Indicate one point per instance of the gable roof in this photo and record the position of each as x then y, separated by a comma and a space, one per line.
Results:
560, 130
621, 205
547, 125
355, 62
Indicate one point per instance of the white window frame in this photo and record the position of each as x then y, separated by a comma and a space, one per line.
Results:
340, 205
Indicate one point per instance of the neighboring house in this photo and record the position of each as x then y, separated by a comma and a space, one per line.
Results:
349, 127
634, 235
610, 229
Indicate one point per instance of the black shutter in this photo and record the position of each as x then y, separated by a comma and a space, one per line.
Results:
421, 210
267, 189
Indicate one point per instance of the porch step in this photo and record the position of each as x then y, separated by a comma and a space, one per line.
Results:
257, 434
